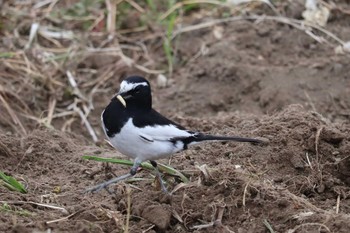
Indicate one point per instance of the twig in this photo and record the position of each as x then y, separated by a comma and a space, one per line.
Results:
148, 71
181, 4
4, 150
67, 124
115, 215
65, 218
317, 141
298, 24
111, 15
219, 215
74, 84
150, 228
338, 205
308, 224
203, 226
51, 110
127, 60
204, 170
131, 30
180, 186
63, 210
332, 6
52, 5
268, 226
117, 50
217, 222
86, 123
15, 96
97, 21
75, 107
136, 6
128, 193
12, 114
245, 193
41, 4
310, 101
32, 35
308, 160
176, 215
220, 3
107, 74
54, 116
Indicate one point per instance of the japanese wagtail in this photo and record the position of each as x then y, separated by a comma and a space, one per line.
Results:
138, 131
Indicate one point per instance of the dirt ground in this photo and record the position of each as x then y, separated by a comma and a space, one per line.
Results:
261, 79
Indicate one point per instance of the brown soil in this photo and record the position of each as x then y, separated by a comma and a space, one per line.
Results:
267, 80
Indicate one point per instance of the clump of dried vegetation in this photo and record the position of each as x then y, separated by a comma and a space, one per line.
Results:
58, 56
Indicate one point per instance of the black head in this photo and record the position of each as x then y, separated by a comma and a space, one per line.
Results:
136, 93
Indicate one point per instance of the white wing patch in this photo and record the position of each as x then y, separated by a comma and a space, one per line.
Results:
163, 133
146, 138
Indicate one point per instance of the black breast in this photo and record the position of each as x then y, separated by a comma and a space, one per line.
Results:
114, 117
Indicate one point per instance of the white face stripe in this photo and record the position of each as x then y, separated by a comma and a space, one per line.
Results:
125, 86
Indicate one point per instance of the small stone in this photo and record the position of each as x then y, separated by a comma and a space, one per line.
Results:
218, 32
321, 188
162, 81
346, 47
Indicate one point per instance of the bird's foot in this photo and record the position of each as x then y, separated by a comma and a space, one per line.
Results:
133, 170
105, 184
97, 188
135, 167
161, 182
159, 176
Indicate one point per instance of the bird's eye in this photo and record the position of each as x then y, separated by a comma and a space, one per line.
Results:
137, 89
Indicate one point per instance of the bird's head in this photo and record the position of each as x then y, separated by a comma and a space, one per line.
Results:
135, 91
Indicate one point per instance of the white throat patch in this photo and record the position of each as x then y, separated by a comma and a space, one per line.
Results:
125, 86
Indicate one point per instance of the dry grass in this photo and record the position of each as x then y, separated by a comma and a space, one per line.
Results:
44, 77
59, 56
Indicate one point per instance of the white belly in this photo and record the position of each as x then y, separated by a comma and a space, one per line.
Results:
129, 142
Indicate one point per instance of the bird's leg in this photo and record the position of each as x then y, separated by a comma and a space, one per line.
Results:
134, 167
105, 184
155, 165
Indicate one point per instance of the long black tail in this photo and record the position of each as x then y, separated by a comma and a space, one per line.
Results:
198, 137
207, 137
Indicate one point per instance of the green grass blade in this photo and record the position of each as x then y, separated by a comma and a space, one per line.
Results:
7, 55
151, 5
11, 183
172, 171
109, 160
171, 25
145, 165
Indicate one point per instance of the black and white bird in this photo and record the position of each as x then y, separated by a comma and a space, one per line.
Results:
138, 131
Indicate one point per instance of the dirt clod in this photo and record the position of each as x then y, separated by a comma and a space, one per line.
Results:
159, 215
